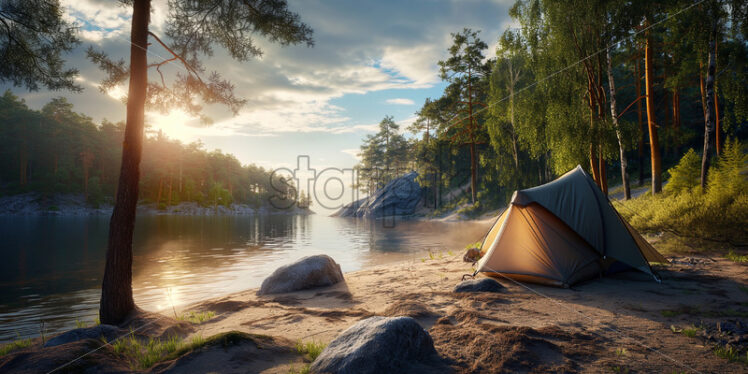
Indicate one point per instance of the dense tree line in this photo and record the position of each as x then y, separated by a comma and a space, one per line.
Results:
621, 88
56, 150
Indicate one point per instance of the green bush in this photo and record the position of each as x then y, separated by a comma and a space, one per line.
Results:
686, 175
718, 214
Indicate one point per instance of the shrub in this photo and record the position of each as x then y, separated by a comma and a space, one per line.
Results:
717, 214
686, 175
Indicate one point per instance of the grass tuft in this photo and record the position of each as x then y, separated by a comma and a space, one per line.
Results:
304, 370
734, 257
313, 349
14, 346
197, 317
144, 353
729, 353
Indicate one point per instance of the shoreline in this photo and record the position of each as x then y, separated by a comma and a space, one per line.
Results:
595, 326
422, 289
73, 205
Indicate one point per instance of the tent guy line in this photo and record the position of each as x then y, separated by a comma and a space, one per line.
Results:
571, 309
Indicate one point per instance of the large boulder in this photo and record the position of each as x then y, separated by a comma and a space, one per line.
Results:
479, 285
399, 197
379, 345
308, 272
109, 332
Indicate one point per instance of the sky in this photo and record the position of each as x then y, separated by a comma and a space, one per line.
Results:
370, 59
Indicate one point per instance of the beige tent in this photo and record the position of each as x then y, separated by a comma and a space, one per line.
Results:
561, 233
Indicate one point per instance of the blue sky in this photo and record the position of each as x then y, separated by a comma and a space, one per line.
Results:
371, 59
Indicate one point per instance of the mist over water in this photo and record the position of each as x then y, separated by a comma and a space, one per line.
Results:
51, 267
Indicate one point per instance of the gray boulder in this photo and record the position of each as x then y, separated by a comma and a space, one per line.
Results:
479, 285
107, 331
379, 345
308, 272
400, 197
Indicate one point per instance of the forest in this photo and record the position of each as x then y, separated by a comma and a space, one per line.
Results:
56, 150
624, 89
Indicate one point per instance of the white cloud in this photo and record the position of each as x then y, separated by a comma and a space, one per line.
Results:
353, 152
360, 48
400, 101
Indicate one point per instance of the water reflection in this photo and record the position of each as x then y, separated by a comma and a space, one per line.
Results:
51, 267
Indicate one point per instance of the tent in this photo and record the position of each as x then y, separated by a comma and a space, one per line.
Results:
561, 233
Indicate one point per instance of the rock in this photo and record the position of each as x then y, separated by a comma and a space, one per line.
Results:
108, 331
379, 345
308, 272
400, 197
412, 309
472, 255
479, 285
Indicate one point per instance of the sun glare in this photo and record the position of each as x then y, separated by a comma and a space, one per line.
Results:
177, 124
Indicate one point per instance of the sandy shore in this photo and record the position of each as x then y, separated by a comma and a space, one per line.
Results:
623, 323
601, 325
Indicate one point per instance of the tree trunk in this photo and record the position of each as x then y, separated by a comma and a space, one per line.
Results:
717, 142
116, 289
473, 172
638, 85
709, 123
617, 127
654, 142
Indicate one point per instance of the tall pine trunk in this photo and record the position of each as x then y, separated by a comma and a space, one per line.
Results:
617, 127
473, 173
709, 122
116, 289
717, 142
654, 142
638, 85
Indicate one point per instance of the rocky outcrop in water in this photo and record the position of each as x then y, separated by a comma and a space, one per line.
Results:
400, 197
309, 272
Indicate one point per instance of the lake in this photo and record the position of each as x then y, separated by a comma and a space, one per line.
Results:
51, 268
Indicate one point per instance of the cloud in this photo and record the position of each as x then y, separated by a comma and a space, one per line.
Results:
400, 101
353, 152
360, 49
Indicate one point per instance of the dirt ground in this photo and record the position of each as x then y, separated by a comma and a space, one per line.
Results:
622, 323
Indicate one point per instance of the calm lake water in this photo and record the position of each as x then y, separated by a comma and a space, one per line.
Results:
51, 267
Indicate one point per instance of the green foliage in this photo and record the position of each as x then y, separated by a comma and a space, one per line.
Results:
311, 348
14, 346
382, 156
144, 353
686, 174
730, 353
732, 256
473, 245
691, 331
34, 36
304, 370
717, 215
54, 139
197, 317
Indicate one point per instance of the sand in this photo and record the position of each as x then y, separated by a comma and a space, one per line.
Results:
612, 323
620, 323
